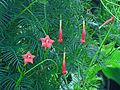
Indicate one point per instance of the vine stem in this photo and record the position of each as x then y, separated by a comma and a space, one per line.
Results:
21, 74
23, 11
92, 61
40, 64
99, 48
45, 16
112, 3
108, 9
36, 20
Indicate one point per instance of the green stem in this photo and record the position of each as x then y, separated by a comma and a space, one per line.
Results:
66, 82
24, 10
40, 64
113, 3
36, 20
108, 10
91, 63
46, 53
99, 48
64, 77
46, 26
18, 81
78, 72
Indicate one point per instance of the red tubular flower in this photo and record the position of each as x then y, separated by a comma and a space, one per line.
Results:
46, 42
83, 33
60, 33
64, 65
28, 58
107, 21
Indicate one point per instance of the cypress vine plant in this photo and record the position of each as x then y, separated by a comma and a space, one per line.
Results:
81, 48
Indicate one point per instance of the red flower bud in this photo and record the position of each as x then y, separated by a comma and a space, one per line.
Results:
64, 65
60, 32
83, 33
107, 21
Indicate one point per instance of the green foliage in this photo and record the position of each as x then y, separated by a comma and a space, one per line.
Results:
112, 63
112, 73
113, 7
24, 22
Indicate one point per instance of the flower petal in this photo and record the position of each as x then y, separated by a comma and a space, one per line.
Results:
47, 37
49, 45
28, 57
44, 44
60, 40
51, 41
42, 39
24, 55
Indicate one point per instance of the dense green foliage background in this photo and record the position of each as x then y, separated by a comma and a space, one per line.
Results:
24, 22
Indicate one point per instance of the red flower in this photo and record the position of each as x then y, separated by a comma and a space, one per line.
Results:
46, 42
64, 65
107, 21
28, 58
83, 33
60, 33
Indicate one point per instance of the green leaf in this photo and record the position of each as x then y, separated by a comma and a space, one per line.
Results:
108, 48
112, 73
19, 70
112, 68
93, 70
19, 80
114, 59
76, 87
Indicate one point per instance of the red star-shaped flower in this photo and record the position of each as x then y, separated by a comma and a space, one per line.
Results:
46, 42
28, 58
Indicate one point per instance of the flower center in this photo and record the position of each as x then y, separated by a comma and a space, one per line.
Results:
29, 56
47, 41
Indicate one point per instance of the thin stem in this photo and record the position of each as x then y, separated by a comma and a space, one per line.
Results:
40, 64
46, 26
108, 10
18, 81
113, 3
60, 17
65, 80
78, 72
108, 84
91, 63
36, 20
23, 11
99, 48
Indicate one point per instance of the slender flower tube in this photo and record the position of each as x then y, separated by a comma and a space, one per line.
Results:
28, 58
46, 42
107, 21
83, 33
60, 32
64, 65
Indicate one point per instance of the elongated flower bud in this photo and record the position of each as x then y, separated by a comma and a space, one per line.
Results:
83, 33
60, 32
107, 21
64, 65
